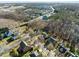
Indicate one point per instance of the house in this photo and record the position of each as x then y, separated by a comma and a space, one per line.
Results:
24, 47
45, 18
62, 49
50, 43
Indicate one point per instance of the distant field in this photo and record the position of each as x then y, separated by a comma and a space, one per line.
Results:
8, 23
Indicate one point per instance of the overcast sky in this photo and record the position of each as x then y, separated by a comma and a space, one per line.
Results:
39, 1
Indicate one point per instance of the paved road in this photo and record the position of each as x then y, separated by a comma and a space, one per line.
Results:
36, 19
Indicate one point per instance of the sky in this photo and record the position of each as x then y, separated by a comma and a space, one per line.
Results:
77, 1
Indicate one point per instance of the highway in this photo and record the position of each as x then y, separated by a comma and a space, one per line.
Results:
36, 19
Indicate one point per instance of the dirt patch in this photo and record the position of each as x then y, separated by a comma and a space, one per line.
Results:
8, 23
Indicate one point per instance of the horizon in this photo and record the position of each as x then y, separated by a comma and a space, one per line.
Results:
39, 1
